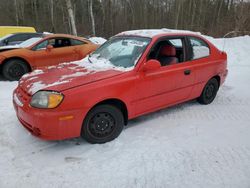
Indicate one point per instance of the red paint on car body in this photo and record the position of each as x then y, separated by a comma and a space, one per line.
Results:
141, 91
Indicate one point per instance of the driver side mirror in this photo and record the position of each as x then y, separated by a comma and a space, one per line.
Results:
152, 64
49, 47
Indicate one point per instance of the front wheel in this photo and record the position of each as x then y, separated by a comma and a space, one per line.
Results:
102, 124
14, 69
209, 92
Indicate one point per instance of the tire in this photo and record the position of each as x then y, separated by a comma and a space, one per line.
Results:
14, 69
102, 124
209, 92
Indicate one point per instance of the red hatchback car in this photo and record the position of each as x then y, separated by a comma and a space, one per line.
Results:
134, 73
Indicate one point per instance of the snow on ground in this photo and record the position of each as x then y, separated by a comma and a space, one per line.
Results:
188, 145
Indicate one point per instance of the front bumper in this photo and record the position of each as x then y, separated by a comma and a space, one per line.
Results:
47, 124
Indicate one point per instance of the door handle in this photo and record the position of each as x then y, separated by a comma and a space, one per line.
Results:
187, 72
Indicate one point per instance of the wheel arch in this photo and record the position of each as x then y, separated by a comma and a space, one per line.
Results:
20, 58
117, 103
217, 77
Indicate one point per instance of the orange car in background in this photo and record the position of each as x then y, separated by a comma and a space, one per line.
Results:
15, 61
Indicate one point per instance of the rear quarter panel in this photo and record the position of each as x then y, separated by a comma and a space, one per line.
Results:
86, 49
209, 67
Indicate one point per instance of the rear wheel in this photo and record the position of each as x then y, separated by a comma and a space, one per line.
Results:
102, 124
209, 92
14, 69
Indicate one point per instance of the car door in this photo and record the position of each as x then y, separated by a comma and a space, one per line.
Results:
200, 56
61, 52
165, 86
66, 52
41, 56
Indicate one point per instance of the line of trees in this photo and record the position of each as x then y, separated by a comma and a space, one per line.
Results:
108, 17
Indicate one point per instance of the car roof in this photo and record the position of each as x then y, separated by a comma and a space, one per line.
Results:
152, 33
65, 36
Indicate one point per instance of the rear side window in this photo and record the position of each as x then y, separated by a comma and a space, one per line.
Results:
75, 42
176, 42
200, 48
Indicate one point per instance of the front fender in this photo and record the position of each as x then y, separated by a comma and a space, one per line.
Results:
2, 58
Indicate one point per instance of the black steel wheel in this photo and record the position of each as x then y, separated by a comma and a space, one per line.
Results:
102, 124
209, 92
14, 69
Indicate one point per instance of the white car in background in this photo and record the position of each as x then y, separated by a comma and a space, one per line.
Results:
24, 44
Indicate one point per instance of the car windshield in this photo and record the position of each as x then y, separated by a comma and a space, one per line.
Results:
121, 51
6, 36
29, 42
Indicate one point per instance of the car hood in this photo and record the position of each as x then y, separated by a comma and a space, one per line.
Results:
7, 48
63, 77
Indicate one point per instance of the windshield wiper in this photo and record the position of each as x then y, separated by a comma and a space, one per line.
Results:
90, 59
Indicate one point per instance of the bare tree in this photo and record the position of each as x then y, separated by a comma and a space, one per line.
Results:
92, 16
16, 11
108, 17
71, 16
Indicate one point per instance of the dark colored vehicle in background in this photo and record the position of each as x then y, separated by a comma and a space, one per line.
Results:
17, 38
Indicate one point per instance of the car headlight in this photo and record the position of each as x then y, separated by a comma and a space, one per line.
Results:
46, 99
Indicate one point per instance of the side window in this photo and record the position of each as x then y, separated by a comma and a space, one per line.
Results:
200, 48
176, 42
61, 42
75, 42
42, 45
56, 43
168, 51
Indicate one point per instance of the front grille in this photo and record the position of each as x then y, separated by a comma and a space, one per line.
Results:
22, 95
33, 130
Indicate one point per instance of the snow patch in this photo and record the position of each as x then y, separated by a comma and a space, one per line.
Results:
98, 40
154, 32
36, 86
95, 64
33, 73
88, 65
77, 74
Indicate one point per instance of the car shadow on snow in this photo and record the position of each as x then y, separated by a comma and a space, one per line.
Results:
77, 149
161, 113
80, 142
